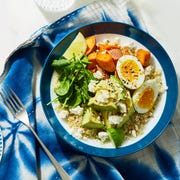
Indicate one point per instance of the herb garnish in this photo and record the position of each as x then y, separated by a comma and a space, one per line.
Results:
73, 81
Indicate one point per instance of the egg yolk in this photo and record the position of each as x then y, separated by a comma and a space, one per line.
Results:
130, 70
146, 99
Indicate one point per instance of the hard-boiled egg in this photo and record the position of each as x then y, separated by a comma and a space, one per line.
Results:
130, 71
145, 97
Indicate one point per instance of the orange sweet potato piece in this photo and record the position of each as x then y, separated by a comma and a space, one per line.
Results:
143, 56
91, 44
105, 61
92, 60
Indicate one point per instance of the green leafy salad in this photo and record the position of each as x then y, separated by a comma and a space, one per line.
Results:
73, 81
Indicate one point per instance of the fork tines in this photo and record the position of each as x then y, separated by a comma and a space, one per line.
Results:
11, 100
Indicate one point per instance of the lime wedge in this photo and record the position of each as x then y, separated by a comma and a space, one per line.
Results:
77, 47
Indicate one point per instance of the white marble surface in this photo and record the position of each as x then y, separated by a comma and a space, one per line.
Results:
20, 18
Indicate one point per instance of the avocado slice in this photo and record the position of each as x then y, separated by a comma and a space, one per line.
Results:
92, 120
115, 80
107, 94
118, 87
116, 135
110, 106
130, 110
104, 99
126, 117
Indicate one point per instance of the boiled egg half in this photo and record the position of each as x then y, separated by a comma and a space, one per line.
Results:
130, 71
144, 97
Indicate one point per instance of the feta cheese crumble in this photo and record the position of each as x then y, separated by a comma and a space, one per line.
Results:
103, 136
78, 133
63, 114
76, 111
115, 119
122, 107
148, 70
92, 86
98, 75
103, 96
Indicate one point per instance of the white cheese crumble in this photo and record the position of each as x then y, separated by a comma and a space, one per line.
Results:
76, 111
98, 75
114, 119
115, 41
136, 127
103, 136
122, 107
131, 45
92, 86
133, 132
103, 96
148, 70
161, 87
78, 133
112, 41
63, 114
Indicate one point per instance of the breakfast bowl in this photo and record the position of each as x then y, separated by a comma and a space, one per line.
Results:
108, 89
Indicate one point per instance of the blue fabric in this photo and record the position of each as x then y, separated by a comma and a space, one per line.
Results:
23, 158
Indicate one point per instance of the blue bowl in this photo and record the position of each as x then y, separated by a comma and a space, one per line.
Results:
146, 40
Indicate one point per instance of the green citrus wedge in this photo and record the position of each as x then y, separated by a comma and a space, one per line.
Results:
77, 47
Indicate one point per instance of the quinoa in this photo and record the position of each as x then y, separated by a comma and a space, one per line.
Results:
134, 127
74, 123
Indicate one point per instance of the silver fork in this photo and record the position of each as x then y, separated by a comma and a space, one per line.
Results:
18, 110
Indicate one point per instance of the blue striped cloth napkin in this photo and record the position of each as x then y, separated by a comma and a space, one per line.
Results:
23, 158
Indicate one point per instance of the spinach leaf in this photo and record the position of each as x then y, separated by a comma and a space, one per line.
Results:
76, 99
64, 87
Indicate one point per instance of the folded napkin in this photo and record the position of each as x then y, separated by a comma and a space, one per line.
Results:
23, 158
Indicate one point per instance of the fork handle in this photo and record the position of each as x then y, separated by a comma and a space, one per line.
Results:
63, 174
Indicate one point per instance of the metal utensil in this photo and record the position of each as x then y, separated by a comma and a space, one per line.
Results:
18, 110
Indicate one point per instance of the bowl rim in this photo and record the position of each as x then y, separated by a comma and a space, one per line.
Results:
168, 69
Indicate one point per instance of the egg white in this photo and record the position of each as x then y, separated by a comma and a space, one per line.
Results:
139, 74
149, 84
